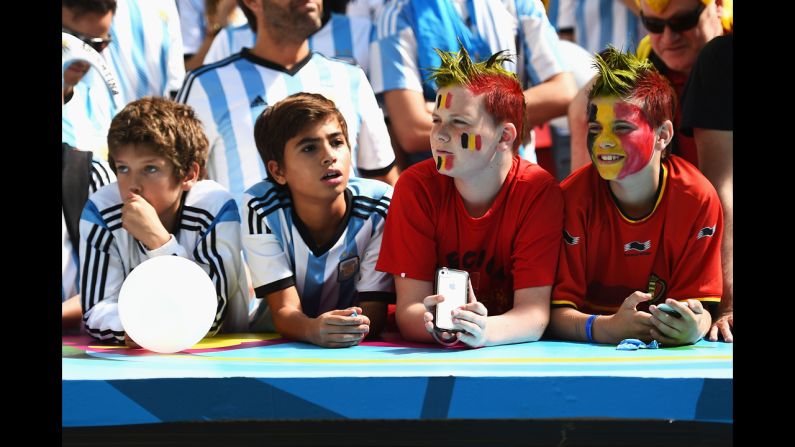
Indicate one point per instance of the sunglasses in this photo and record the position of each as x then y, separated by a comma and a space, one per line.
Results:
97, 43
677, 23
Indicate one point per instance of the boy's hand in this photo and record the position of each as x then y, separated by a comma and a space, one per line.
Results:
724, 324
673, 331
140, 219
471, 319
430, 303
337, 329
628, 322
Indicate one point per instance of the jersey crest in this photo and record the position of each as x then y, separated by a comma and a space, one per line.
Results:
657, 288
347, 269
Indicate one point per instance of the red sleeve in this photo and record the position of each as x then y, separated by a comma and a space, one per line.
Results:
537, 244
409, 245
697, 273
570, 281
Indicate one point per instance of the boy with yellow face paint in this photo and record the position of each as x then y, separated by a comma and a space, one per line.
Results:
642, 228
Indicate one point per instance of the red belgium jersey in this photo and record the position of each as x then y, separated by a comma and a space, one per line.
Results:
514, 245
674, 252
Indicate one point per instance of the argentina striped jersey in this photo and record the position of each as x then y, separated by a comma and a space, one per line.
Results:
280, 253
146, 50
393, 51
597, 23
230, 94
342, 37
208, 234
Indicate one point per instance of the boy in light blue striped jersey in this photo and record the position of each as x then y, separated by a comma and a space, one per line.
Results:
311, 234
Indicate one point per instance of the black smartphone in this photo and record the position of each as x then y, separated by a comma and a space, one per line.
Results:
453, 285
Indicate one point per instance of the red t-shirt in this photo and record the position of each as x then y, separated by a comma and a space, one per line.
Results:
513, 246
606, 256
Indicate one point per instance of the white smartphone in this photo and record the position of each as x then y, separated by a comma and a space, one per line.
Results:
453, 285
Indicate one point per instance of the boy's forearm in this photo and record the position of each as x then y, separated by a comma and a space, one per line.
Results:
514, 328
294, 324
411, 324
567, 324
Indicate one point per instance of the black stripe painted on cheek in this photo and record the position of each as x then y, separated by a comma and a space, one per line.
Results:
464, 140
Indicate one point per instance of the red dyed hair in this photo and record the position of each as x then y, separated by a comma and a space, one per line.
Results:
504, 97
504, 101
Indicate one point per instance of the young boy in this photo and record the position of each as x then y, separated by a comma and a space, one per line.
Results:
475, 206
641, 228
310, 234
159, 206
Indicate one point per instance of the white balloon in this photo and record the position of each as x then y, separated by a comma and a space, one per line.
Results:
167, 304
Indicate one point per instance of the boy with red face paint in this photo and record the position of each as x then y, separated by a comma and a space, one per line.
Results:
642, 227
475, 206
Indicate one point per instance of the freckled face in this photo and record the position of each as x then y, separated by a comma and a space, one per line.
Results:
620, 140
464, 135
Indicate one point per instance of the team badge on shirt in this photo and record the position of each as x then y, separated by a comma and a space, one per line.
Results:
706, 232
637, 246
656, 289
571, 240
347, 269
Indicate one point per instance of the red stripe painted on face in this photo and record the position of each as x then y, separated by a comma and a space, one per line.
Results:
639, 144
448, 100
477, 142
448, 162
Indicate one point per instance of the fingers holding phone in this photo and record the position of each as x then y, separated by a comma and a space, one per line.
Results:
453, 287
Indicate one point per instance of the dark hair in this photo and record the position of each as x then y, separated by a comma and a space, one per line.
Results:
288, 117
80, 7
168, 128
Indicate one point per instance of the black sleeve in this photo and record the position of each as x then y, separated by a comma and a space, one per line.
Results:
707, 100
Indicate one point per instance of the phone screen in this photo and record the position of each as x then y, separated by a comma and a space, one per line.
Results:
453, 286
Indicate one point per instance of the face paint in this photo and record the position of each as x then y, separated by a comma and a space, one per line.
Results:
471, 142
444, 162
445, 99
620, 139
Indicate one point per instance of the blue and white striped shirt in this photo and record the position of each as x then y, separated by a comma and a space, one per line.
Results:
597, 23
145, 57
342, 37
208, 234
280, 251
393, 52
146, 51
229, 95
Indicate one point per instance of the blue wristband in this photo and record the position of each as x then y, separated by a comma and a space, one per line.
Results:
589, 328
